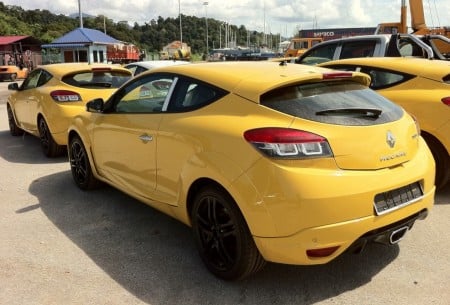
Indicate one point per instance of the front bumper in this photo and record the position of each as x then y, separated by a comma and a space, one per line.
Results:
5, 76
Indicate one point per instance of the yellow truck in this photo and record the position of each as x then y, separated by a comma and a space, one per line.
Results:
12, 72
298, 46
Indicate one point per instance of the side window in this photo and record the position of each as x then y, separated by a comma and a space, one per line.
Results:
191, 94
381, 79
44, 78
407, 47
139, 70
146, 95
132, 68
32, 80
353, 49
319, 54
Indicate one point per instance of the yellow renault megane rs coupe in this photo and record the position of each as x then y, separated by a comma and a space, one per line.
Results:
265, 161
422, 87
51, 95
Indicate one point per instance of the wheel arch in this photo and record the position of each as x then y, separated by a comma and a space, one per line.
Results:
255, 215
73, 132
441, 155
13, 111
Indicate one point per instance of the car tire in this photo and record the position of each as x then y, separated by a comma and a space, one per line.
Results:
222, 236
13, 128
80, 166
50, 148
441, 158
13, 77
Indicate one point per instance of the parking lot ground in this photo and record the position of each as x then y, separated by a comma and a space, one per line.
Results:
60, 245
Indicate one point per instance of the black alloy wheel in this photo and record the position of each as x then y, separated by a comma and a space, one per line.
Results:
13, 128
49, 146
222, 236
80, 166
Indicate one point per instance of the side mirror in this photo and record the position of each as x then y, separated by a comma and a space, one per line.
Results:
13, 86
96, 105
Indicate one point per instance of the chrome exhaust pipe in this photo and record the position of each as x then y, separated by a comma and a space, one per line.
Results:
398, 235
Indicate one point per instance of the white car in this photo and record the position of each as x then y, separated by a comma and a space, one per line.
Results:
142, 66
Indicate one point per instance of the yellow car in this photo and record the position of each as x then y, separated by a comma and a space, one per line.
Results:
266, 161
51, 95
420, 86
12, 72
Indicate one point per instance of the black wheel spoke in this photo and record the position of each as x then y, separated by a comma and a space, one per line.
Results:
224, 242
217, 233
78, 162
44, 135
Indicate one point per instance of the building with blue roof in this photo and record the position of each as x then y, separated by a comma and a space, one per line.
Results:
81, 45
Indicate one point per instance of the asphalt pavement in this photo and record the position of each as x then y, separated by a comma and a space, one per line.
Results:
60, 245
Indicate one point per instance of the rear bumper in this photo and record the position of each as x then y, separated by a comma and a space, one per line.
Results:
388, 235
347, 236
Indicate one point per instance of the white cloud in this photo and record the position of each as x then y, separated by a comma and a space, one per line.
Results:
275, 15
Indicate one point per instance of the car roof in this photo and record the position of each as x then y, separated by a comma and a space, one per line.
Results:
61, 69
359, 37
250, 79
435, 69
150, 64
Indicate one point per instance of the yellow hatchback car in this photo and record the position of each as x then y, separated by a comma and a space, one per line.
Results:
44, 104
422, 87
265, 161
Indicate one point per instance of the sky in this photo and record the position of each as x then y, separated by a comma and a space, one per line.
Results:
283, 17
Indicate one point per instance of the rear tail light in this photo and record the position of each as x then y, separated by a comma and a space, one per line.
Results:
65, 96
286, 143
446, 100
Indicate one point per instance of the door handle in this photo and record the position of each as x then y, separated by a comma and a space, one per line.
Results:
145, 138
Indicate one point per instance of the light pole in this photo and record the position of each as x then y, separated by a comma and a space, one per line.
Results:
181, 29
206, 20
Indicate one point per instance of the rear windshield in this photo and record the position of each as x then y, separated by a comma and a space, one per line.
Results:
334, 102
97, 79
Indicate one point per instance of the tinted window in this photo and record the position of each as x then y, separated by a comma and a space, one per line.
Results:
99, 79
32, 81
146, 95
380, 78
384, 79
164, 92
319, 54
407, 47
354, 49
338, 102
191, 94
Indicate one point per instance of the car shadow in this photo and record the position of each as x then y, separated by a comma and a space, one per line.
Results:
25, 149
154, 257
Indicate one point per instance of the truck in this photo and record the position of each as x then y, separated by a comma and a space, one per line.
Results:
175, 50
12, 67
298, 46
418, 25
381, 45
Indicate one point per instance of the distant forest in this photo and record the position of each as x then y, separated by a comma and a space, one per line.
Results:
151, 36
